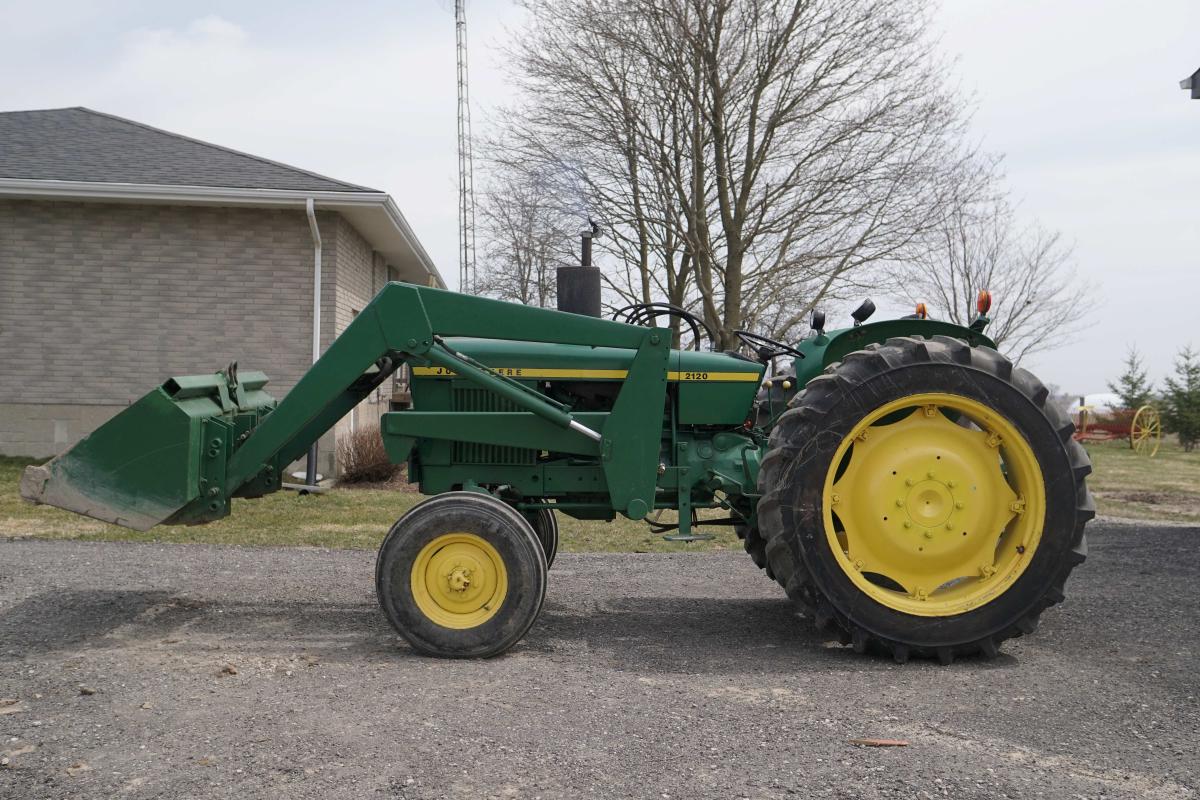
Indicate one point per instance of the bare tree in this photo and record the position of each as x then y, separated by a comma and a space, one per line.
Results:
581, 126
749, 157
1039, 299
526, 238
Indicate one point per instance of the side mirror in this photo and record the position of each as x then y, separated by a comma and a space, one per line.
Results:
863, 312
817, 323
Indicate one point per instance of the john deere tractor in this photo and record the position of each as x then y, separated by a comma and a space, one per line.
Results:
903, 482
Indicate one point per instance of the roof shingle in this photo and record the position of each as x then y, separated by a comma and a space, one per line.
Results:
78, 144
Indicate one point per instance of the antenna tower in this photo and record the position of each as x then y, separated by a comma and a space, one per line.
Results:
466, 176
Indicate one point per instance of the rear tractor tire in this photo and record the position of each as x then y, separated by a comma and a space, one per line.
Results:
755, 545
923, 498
462, 575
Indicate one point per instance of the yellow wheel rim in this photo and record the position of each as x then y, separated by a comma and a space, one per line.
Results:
934, 504
459, 580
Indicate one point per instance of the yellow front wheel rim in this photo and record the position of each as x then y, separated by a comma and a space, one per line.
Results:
459, 580
934, 504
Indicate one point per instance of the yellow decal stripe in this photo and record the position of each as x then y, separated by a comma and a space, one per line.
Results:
712, 376
595, 374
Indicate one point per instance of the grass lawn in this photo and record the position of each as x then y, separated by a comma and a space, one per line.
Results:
1166, 487
339, 518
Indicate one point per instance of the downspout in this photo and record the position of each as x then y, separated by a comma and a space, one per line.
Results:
310, 475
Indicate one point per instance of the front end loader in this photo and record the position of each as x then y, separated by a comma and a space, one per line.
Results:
902, 481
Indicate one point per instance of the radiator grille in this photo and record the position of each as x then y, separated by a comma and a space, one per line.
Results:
469, 398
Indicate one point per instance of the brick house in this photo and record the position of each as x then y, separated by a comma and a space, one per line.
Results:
129, 254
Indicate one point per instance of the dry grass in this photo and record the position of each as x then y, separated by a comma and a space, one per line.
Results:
1125, 484
1166, 487
345, 517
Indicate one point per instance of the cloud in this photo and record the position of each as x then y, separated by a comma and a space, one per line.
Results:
216, 28
201, 62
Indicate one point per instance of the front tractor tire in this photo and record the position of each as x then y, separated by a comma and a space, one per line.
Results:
462, 575
922, 498
545, 526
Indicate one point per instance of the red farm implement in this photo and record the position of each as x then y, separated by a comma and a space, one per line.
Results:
1143, 428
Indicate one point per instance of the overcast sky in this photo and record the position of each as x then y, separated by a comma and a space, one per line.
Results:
1081, 96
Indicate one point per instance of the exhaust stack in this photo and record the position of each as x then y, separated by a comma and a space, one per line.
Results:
579, 287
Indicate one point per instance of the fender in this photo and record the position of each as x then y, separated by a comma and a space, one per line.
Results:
827, 348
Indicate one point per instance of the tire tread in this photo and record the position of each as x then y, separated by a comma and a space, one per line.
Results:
802, 422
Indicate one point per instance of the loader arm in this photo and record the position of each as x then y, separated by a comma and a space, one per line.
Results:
407, 323
216, 460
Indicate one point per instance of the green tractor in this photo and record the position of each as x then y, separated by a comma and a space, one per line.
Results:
913, 491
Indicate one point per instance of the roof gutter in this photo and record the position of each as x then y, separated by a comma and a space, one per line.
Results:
400, 222
91, 190
219, 195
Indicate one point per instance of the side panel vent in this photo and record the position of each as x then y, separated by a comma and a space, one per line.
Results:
470, 398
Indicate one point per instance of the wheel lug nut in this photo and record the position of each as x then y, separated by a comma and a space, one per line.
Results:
960, 504
928, 534
909, 482
949, 526
929, 474
907, 524
951, 484
899, 502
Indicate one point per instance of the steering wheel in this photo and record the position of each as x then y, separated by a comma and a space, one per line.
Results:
647, 313
764, 347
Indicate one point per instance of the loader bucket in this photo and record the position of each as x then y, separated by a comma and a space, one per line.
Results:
161, 459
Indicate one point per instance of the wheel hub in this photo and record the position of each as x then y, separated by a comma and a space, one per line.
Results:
929, 503
459, 580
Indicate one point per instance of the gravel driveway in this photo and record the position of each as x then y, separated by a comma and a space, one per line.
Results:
194, 672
